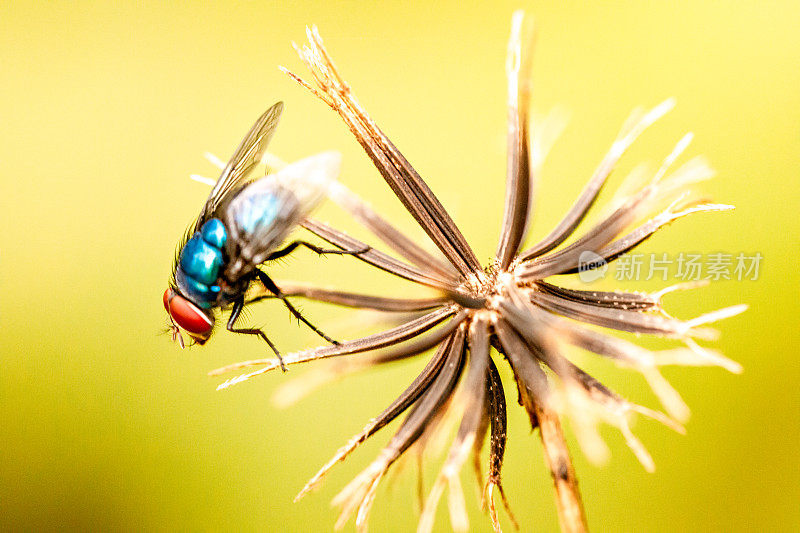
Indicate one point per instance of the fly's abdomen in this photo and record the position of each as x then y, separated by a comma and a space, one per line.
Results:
257, 211
258, 218
200, 263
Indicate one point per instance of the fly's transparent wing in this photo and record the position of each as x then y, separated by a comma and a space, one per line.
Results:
264, 212
246, 157
310, 179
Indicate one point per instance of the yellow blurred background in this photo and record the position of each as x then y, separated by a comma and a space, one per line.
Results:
106, 109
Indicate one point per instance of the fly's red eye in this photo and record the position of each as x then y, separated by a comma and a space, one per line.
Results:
187, 315
167, 297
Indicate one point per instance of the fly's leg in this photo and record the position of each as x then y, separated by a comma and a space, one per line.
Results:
292, 246
274, 289
237, 309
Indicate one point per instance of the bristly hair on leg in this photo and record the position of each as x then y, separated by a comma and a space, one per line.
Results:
511, 310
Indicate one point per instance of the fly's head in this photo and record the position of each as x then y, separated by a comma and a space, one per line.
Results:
187, 317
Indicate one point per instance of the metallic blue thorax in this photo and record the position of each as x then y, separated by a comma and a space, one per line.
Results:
200, 263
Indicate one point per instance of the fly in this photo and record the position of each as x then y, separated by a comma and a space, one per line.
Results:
241, 227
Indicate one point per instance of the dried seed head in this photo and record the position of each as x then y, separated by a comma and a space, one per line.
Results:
508, 307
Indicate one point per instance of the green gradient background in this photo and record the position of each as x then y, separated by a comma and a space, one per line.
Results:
105, 110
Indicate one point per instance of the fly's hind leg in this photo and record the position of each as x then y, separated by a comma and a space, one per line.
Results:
292, 246
235, 312
274, 289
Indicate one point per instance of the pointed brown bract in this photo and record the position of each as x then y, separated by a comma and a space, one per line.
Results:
506, 311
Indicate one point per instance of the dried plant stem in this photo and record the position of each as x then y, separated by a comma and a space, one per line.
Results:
556, 454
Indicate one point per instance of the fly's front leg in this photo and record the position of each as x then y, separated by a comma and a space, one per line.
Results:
274, 289
292, 246
238, 305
